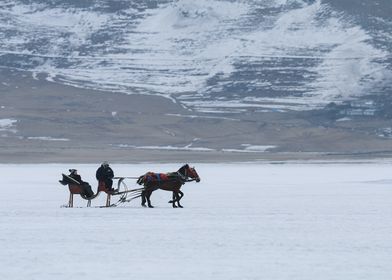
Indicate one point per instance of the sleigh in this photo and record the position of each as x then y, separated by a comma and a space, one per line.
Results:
122, 192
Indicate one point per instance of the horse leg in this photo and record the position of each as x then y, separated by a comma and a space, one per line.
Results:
148, 199
174, 199
177, 198
180, 194
143, 196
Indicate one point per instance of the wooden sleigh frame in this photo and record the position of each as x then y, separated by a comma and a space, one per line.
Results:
122, 191
78, 189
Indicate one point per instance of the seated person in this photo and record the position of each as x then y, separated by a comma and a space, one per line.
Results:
86, 188
73, 173
105, 174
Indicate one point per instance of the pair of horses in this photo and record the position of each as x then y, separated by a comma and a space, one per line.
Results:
150, 181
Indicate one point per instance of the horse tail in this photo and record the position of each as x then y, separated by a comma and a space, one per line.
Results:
141, 180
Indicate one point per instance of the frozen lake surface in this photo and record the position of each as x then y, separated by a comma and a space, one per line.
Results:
242, 221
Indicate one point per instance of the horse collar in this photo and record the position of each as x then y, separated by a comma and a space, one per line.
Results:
182, 176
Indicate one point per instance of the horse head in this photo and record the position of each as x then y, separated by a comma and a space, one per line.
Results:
190, 172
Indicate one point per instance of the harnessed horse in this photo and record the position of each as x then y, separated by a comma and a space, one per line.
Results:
168, 182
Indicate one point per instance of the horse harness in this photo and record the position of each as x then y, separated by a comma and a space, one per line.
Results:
161, 178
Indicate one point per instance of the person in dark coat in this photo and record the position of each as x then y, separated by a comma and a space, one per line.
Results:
73, 173
105, 174
87, 191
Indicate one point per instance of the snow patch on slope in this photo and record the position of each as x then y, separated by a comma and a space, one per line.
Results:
8, 125
224, 52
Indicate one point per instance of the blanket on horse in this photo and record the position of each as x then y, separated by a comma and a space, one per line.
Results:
156, 177
161, 177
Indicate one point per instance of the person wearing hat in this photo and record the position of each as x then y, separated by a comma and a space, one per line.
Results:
87, 191
73, 173
105, 174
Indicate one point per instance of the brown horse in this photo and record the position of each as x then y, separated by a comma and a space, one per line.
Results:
168, 182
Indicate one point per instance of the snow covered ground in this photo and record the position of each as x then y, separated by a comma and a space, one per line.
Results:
242, 221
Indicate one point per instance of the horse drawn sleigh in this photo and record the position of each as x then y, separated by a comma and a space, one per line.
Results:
149, 181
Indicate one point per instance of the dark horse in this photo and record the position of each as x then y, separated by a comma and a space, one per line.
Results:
168, 182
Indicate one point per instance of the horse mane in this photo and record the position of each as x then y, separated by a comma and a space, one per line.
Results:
182, 169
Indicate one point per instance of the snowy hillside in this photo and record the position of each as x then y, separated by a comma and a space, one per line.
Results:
242, 221
211, 55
